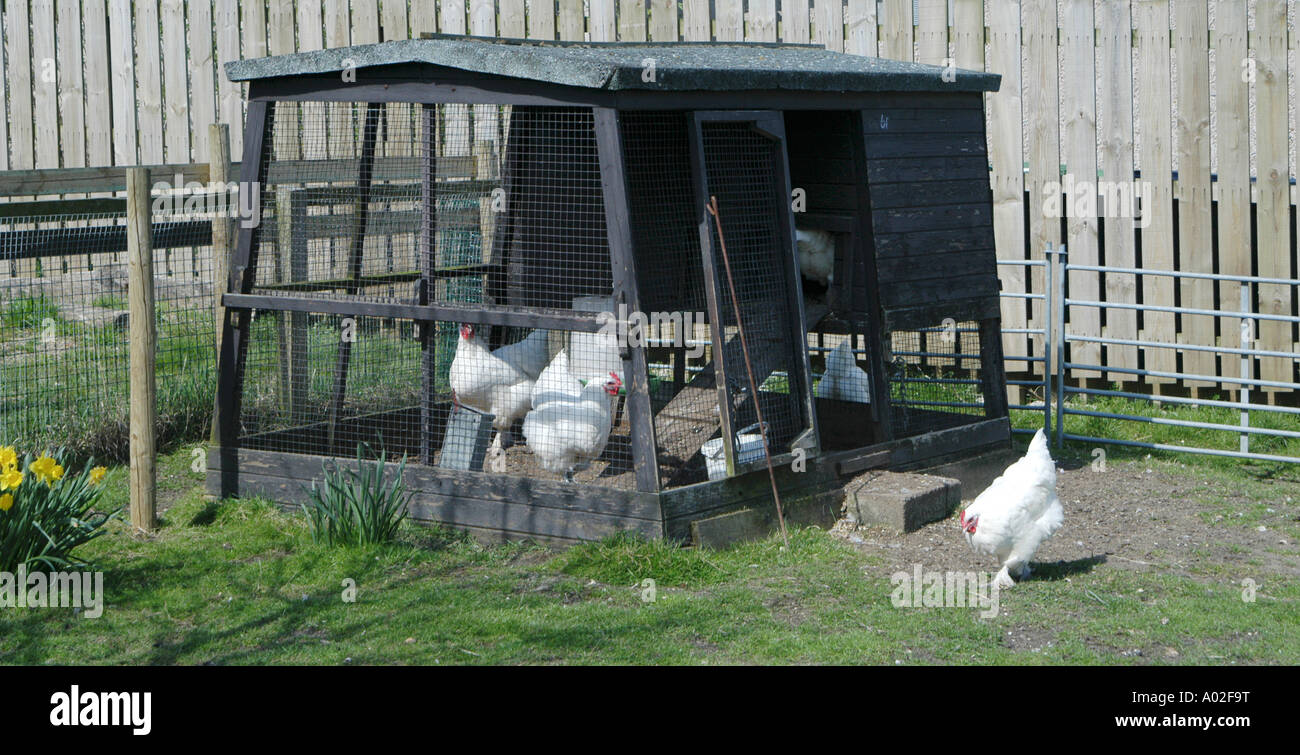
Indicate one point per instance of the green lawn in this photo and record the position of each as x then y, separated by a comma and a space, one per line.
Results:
241, 583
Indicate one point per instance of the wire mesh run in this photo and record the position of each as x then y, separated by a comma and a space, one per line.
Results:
63, 311
548, 404
842, 391
935, 378
467, 203
741, 174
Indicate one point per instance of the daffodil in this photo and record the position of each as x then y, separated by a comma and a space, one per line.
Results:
8, 457
47, 469
97, 475
10, 479
6, 501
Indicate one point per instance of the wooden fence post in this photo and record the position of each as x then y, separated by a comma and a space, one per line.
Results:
222, 233
139, 241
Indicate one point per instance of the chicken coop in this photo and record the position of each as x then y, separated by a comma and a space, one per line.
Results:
565, 280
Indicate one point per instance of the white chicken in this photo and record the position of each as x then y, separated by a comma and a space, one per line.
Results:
1016, 513
567, 433
556, 382
529, 355
816, 255
844, 380
492, 383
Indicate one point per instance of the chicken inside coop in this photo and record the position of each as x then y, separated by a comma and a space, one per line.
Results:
816, 252
566, 414
843, 379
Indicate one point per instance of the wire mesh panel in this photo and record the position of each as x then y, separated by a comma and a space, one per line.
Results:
63, 312
510, 198
934, 375
842, 391
664, 221
740, 172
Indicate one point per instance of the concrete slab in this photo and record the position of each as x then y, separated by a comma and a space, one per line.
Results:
904, 501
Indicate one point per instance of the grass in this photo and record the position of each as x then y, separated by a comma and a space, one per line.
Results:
240, 582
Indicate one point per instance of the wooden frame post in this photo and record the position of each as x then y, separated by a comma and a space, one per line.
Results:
140, 295
222, 236
636, 371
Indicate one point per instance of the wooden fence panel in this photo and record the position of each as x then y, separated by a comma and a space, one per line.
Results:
603, 20
663, 20
1115, 102
830, 24
510, 19
18, 49
631, 21
931, 31
730, 22
860, 20
72, 113
148, 84
794, 21
45, 94
203, 96
1042, 119
230, 96
1273, 227
761, 22
1195, 233
1079, 153
1006, 145
896, 30
175, 91
1153, 122
1233, 69
968, 34
570, 24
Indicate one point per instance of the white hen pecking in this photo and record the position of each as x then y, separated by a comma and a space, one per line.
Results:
484, 381
1016, 513
816, 255
567, 433
844, 380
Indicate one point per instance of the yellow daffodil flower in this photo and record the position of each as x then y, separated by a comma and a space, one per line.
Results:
6, 501
10, 479
97, 475
47, 469
8, 457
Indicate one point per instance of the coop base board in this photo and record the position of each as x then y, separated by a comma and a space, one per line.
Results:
500, 508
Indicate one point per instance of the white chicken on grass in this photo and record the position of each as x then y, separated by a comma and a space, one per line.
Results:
1016, 513
567, 433
497, 382
556, 381
844, 380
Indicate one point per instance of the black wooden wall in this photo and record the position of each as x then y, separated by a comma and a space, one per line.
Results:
931, 203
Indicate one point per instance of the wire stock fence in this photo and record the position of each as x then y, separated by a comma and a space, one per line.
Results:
1223, 374
64, 314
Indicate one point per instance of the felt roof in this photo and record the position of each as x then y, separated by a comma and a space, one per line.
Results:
678, 66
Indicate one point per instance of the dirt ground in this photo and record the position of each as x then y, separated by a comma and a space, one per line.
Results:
1139, 514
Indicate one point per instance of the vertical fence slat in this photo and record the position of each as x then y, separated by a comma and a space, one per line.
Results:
1006, 157
604, 17
19, 51
1153, 124
311, 36
4, 92
1079, 151
230, 100
510, 19
696, 21
365, 21
830, 24
72, 113
663, 20
424, 17
896, 30
570, 22
860, 20
729, 26
148, 83
175, 91
794, 21
631, 20
1232, 143
99, 140
1195, 245
931, 31
394, 20
968, 34
125, 135
541, 19
760, 23
45, 94
1042, 121
340, 122
203, 112
1272, 171
1115, 100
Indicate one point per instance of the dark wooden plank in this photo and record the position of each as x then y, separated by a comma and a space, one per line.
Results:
67, 242
923, 193
942, 266
910, 219
898, 144
883, 171
929, 313
609, 148
481, 314
937, 292
554, 494
934, 242
923, 121
430, 163
965, 439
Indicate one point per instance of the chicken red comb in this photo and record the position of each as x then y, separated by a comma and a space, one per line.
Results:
617, 380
